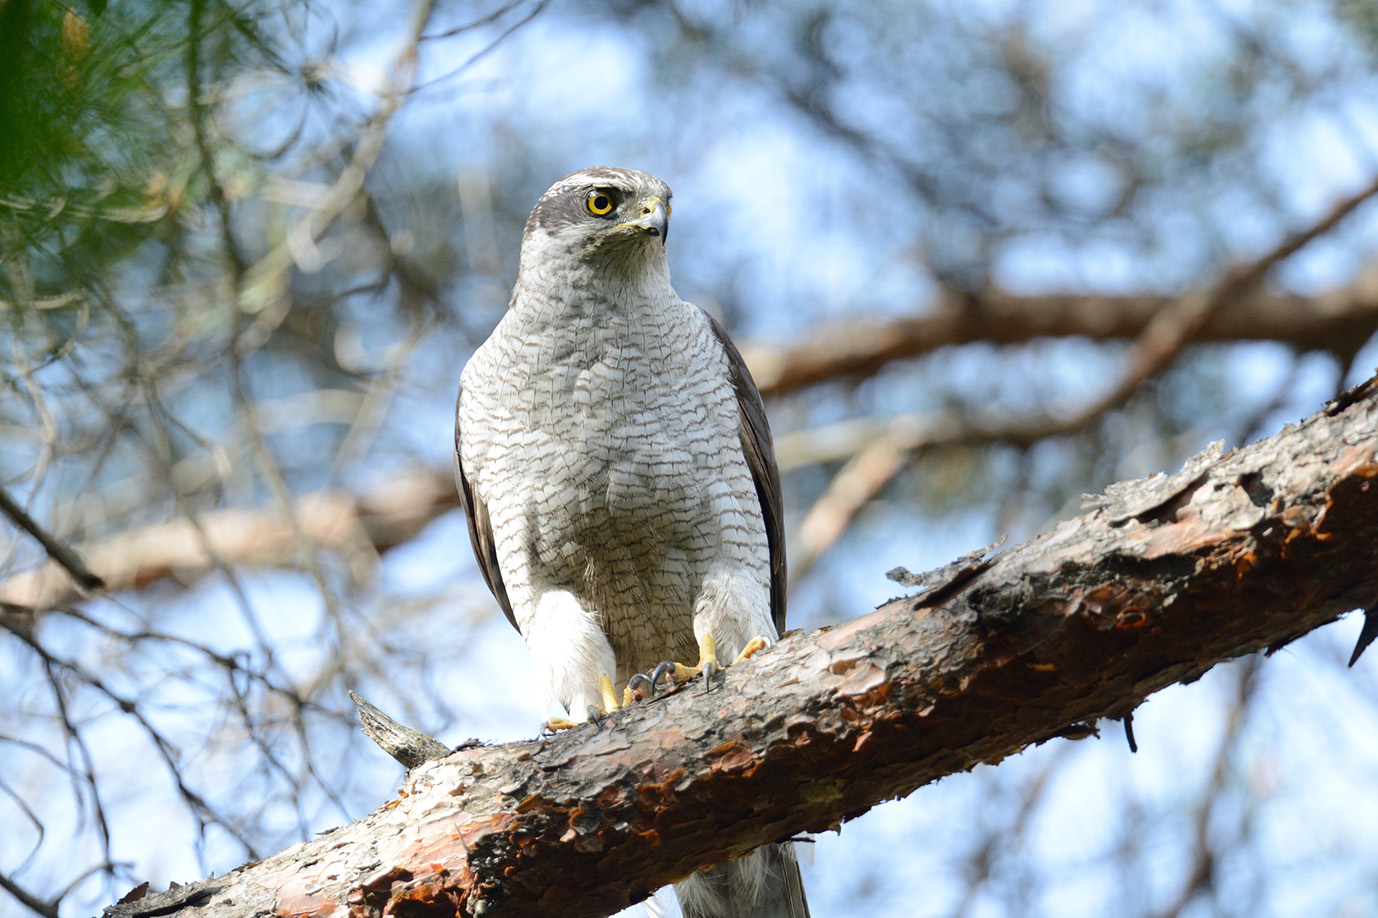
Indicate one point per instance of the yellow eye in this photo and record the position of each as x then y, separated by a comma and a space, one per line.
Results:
599, 203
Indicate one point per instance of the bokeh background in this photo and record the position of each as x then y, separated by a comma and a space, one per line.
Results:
247, 246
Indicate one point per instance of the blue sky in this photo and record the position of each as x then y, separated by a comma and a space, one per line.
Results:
789, 228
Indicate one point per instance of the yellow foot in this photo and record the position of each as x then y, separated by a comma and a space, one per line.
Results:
557, 724
752, 647
609, 698
708, 660
643, 685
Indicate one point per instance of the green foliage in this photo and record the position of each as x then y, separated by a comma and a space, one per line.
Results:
93, 159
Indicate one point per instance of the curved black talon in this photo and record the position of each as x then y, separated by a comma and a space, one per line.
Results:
640, 678
662, 671
710, 669
594, 716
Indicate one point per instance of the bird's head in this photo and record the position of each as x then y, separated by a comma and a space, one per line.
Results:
604, 217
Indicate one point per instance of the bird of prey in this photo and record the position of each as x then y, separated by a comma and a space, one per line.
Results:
616, 467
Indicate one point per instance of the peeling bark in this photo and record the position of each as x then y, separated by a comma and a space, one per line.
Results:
1154, 585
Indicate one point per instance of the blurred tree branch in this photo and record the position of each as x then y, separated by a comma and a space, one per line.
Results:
1159, 581
1212, 818
1157, 344
1337, 321
359, 527
61, 555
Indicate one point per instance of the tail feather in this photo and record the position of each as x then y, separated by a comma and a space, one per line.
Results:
764, 884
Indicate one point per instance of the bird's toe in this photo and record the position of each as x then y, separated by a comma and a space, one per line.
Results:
753, 646
558, 725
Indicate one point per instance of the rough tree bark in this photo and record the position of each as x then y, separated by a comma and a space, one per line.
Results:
1160, 580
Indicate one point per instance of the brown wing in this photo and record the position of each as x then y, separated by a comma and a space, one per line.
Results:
480, 530
759, 450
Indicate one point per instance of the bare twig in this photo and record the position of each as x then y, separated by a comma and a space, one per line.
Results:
1201, 875
45, 907
68, 559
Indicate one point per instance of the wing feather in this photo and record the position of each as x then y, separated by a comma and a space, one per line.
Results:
759, 449
480, 529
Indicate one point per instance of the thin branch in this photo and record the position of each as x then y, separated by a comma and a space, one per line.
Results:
1163, 338
197, 806
263, 289
487, 49
65, 557
1201, 876
45, 907
855, 485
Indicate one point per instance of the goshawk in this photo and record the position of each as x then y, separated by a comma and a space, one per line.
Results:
616, 466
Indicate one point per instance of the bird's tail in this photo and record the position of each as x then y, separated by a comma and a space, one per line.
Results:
764, 884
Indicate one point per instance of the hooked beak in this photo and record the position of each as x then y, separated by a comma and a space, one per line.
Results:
654, 220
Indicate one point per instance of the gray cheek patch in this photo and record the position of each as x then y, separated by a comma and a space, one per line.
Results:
551, 213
